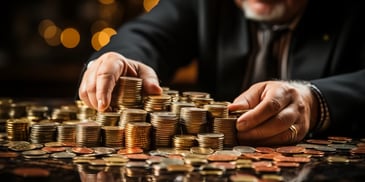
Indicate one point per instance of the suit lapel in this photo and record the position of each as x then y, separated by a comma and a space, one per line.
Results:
233, 42
312, 44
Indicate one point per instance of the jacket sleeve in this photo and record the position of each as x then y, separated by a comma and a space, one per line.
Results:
164, 38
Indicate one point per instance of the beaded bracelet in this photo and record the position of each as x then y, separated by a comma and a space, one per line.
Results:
324, 113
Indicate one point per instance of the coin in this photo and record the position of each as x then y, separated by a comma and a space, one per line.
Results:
243, 177
180, 168
53, 149
290, 149
221, 157
34, 152
63, 155
8, 154
31, 172
82, 150
130, 150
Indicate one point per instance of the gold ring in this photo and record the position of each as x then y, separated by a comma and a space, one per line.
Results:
294, 134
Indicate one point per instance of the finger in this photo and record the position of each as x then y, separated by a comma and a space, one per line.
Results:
271, 127
107, 75
151, 84
270, 105
283, 138
83, 91
286, 137
89, 85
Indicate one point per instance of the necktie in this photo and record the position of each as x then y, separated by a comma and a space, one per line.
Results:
266, 65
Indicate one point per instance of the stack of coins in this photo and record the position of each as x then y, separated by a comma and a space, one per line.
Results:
211, 140
176, 107
175, 96
127, 93
157, 103
227, 126
191, 95
164, 128
137, 134
66, 132
217, 110
36, 113
184, 142
84, 111
108, 118
63, 114
18, 110
5, 104
88, 134
193, 120
132, 115
43, 131
112, 136
201, 101
17, 129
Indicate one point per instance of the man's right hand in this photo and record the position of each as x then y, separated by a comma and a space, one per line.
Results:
101, 76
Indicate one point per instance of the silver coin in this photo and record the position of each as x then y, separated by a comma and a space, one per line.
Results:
63, 155
34, 152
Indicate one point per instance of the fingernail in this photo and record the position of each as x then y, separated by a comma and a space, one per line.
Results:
100, 105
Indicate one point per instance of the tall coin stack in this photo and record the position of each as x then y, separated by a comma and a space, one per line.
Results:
44, 131
211, 140
127, 93
88, 134
132, 115
227, 126
137, 134
17, 129
112, 136
157, 103
66, 132
108, 118
164, 128
193, 120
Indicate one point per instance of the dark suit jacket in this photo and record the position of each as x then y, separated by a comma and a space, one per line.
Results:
327, 48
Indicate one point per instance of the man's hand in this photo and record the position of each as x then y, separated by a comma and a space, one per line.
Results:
101, 76
279, 113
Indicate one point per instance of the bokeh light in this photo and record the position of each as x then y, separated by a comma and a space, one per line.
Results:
149, 4
70, 37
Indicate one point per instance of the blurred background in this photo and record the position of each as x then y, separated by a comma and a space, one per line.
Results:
45, 43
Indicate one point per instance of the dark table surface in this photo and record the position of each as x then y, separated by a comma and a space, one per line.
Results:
318, 169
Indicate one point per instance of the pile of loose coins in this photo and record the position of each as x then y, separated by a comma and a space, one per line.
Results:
175, 136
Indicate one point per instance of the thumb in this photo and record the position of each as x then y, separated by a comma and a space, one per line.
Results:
151, 84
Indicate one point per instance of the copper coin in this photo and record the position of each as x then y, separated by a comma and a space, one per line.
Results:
319, 141
137, 156
68, 144
314, 152
131, 150
221, 157
8, 154
291, 159
290, 149
82, 150
255, 156
31, 172
265, 149
358, 150
287, 164
339, 139
269, 169
261, 163
224, 165
53, 149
